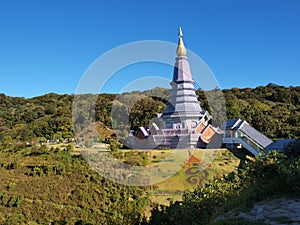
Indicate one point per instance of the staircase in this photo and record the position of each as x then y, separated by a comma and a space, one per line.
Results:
252, 147
241, 133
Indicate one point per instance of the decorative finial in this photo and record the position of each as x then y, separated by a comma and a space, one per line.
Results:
180, 34
181, 50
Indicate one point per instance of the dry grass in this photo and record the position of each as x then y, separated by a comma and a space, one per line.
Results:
221, 164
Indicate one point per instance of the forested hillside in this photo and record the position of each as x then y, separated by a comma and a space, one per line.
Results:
272, 109
53, 184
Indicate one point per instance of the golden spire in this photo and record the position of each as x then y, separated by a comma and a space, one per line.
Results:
181, 50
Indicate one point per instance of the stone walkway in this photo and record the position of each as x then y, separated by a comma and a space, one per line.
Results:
276, 212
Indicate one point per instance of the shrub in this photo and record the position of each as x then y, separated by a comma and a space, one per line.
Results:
114, 145
9, 165
70, 147
293, 149
39, 150
18, 219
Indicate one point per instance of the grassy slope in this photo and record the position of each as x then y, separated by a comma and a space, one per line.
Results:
43, 193
53, 186
172, 188
57, 186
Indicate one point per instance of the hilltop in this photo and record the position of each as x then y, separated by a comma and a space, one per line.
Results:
42, 184
272, 110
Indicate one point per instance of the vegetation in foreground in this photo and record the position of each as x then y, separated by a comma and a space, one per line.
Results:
264, 178
52, 186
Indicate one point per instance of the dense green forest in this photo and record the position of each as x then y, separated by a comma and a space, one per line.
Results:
274, 110
31, 175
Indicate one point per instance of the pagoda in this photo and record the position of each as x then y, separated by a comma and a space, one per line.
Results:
184, 124
183, 110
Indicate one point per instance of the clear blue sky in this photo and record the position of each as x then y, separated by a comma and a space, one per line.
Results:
46, 46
